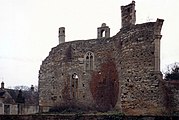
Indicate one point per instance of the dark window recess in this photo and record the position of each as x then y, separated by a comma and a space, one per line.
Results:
128, 10
54, 97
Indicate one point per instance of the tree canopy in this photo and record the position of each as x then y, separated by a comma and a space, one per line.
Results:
173, 72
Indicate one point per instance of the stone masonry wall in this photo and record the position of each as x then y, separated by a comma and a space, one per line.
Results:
120, 72
135, 87
172, 97
63, 61
140, 84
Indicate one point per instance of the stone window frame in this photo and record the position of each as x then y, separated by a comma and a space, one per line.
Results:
89, 61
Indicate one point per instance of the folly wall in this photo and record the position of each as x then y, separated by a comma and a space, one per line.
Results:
108, 73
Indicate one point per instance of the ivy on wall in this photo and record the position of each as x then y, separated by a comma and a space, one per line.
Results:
105, 86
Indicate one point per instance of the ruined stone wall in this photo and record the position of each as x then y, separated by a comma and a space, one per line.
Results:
120, 72
172, 97
140, 82
55, 76
175, 91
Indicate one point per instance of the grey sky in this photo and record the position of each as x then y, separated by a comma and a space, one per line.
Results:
29, 29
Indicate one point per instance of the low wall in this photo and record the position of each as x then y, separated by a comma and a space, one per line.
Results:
85, 117
173, 86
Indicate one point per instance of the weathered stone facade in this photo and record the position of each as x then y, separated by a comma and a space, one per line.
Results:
172, 97
120, 72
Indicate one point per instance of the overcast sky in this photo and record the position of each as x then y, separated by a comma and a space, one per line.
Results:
29, 29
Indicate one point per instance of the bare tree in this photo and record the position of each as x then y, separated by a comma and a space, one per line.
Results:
22, 87
25, 88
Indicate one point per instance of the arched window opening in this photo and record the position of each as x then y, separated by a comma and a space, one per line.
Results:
89, 61
103, 33
74, 85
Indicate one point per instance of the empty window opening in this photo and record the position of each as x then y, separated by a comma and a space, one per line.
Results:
89, 61
102, 33
74, 76
74, 84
